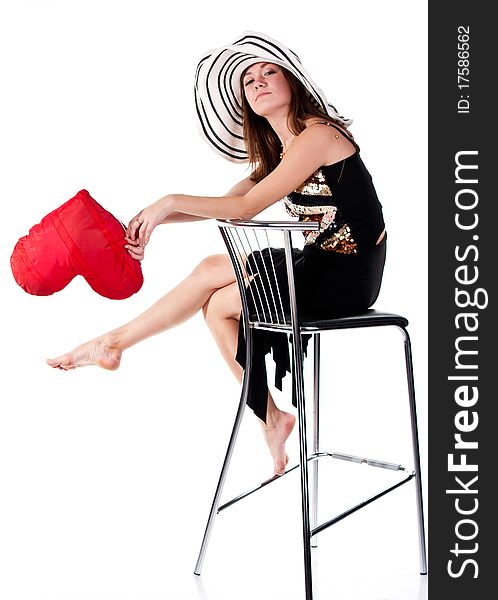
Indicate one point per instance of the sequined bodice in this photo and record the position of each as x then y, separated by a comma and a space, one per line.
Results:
342, 198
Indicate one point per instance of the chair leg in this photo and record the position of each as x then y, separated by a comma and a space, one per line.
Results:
226, 463
298, 382
416, 452
303, 458
316, 434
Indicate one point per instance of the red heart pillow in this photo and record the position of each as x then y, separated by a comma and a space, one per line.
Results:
78, 238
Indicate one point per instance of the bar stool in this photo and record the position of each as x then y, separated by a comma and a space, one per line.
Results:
262, 308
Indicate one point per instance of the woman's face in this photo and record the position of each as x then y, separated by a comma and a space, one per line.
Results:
266, 89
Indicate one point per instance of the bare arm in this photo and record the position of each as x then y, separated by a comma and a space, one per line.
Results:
136, 248
314, 147
239, 189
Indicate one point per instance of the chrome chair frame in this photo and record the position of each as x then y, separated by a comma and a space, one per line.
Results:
298, 328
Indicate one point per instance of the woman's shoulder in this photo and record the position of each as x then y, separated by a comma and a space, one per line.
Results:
338, 143
335, 129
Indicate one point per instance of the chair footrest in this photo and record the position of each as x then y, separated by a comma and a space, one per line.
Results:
372, 462
353, 509
337, 455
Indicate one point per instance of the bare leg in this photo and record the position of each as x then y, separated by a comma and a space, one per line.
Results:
211, 287
222, 312
174, 308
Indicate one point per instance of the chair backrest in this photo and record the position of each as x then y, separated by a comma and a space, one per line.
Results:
261, 254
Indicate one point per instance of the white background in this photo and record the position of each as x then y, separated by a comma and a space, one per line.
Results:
106, 477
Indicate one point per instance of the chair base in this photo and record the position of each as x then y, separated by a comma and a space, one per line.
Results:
402, 476
406, 476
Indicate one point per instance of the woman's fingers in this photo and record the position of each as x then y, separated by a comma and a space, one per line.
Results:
148, 232
145, 231
134, 225
131, 241
133, 229
143, 224
136, 252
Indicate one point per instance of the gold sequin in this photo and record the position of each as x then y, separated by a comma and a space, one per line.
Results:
316, 185
341, 241
325, 215
310, 236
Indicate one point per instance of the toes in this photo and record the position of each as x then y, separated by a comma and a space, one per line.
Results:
280, 466
54, 362
59, 363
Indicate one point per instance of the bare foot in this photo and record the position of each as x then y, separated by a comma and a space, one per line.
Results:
98, 352
277, 429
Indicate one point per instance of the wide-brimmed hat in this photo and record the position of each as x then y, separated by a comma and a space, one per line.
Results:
218, 94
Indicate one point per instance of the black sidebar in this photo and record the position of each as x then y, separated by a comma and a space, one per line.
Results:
463, 242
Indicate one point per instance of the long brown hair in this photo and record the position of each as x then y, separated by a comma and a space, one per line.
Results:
262, 143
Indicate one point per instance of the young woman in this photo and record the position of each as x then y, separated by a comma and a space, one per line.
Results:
255, 101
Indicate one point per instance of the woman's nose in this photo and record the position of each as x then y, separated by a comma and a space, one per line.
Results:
259, 83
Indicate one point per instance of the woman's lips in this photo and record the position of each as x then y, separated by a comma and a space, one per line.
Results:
262, 94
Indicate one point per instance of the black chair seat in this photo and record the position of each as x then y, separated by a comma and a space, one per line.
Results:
370, 318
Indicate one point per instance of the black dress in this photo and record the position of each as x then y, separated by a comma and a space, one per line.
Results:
339, 270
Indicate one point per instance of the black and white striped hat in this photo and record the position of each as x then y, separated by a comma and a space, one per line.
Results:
218, 94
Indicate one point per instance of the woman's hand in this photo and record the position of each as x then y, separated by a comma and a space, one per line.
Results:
135, 249
143, 224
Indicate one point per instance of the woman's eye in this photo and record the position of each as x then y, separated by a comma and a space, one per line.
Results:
249, 82
269, 73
